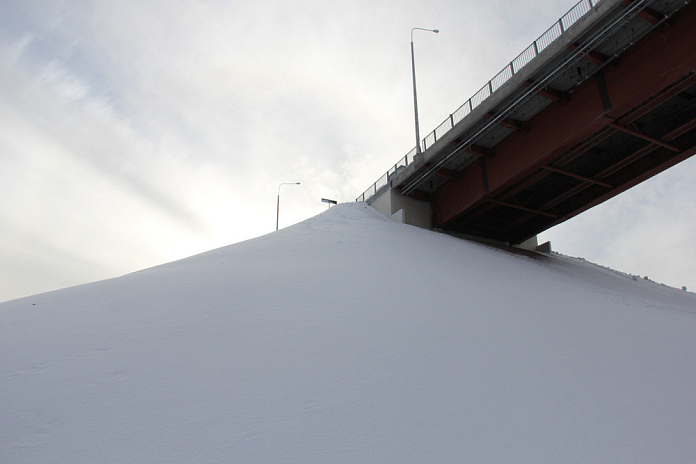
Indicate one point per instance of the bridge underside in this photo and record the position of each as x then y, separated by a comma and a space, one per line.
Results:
633, 119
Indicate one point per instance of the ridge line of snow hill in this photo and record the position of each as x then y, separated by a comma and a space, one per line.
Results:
349, 337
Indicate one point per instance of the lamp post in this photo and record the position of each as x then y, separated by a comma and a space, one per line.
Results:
330, 202
415, 98
278, 204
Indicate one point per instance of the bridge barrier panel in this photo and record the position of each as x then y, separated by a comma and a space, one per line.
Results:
429, 140
549, 36
501, 78
445, 127
575, 13
523, 58
461, 112
481, 95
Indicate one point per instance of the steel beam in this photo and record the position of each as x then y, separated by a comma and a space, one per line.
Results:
549, 92
681, 130
648, 14
657, 62
644, 137
510, 123
477, 150
670, 92
520, 207
592, 56
578, 176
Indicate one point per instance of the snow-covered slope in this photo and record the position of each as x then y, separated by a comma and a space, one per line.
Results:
350, 338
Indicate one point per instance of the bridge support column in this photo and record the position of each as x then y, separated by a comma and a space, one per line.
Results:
406, 210
401, 208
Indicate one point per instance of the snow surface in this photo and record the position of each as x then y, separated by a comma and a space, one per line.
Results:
350, 338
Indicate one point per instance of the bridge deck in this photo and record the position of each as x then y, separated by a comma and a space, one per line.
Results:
610, 104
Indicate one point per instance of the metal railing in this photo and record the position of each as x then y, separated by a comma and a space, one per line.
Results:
554, 32
386, 177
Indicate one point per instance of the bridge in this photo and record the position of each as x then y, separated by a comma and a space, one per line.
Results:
603, 100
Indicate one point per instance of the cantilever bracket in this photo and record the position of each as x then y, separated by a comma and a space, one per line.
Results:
592, 56
510, 123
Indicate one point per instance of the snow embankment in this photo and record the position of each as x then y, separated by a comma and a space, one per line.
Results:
349, 338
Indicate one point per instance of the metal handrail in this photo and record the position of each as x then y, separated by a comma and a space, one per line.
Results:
579, 10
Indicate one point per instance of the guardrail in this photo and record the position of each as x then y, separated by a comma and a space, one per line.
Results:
554, 32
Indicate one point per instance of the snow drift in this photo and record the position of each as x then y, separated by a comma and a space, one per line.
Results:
352, 338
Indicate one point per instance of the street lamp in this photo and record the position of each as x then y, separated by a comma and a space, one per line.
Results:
415, 98
278, 204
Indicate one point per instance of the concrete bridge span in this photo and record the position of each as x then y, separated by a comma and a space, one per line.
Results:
608, 104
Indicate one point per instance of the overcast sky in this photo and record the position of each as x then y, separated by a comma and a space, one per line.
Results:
138, 132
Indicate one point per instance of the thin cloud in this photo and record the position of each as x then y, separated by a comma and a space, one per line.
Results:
141, 132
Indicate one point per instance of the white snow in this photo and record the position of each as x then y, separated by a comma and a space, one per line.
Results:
350, 338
